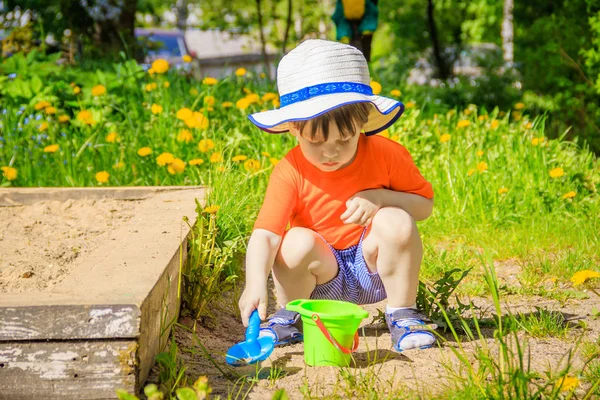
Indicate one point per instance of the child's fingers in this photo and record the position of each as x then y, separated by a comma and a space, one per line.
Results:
262, 310
246, 315
355, 217
350, 209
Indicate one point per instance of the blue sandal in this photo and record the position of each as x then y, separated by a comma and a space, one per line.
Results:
284, 327
410, 325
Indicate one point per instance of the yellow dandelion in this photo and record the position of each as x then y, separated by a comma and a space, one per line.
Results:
247, 91
98, 90
119, 165
516, 115
177, 166
167, 84
535, 141
227, 104
385, 133
53, 148
556, 172
221, 168
482, 117
144, 151
567, 383
164, 159
482, 166
410, 104
445, 138
580, 277
196, 161
216, 158
240, 72
502, 190
252, 98
471, 171
112, 137
479, 153
194, 92
209, 101
274, 161
50, 110
63, 118
569, 195
76, 90
239, 158
151, 71
184, 136
205, 145
252, 165
207, 109
102, 176
197, 120
41, 105
495, 124
242, 104
186, 58
502, 114
184, 113
43, 126
528, 125
265, 153
276, 103
86, 117
9, 173
212, 209
519, 106
463, 123
395, 138
209, 81
395, 93
151, 86
262, 75
156, 109
467, 111
269, 96
451, 113
160, 66
376, 86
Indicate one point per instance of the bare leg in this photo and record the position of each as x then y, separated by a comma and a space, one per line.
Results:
304, 260
393, 248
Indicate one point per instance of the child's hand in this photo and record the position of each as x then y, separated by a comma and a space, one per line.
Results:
361, 208
253, 298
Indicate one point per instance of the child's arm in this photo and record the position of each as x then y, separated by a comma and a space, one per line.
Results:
260, 256
362, 207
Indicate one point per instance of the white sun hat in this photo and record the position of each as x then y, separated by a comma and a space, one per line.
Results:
318, 76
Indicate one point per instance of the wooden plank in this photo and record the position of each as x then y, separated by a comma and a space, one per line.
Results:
110, 321
67, 370
26, 196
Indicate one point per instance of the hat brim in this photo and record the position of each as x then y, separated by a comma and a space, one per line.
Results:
384, 114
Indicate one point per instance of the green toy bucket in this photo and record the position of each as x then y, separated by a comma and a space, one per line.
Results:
330, 330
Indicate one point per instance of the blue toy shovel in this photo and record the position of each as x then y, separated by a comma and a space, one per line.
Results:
253, 349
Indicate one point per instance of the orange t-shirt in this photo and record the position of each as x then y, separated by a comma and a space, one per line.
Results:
301, 194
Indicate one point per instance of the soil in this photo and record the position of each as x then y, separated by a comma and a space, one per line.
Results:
41, 243
202, 353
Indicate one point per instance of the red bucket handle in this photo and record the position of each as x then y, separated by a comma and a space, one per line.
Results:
335, 343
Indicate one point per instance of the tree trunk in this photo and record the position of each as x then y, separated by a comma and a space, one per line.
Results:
263, 42
508, 32
182, 14
115, 35
443, 71
288, 24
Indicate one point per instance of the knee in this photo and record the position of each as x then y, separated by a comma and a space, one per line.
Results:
395, 226
296, 248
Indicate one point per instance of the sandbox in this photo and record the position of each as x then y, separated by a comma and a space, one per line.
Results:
89, 280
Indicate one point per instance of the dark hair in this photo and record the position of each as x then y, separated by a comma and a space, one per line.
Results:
346, 118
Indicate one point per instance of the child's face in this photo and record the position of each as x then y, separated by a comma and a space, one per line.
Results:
330, 155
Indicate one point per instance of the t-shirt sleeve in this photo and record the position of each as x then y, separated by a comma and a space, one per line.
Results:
280, 200
404, 174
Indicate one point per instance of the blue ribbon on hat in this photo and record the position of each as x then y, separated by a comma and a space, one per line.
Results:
324, 88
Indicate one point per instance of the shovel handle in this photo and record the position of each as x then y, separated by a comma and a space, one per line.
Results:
253, 327
331, 339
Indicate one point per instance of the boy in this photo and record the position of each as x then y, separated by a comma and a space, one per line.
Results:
350, 198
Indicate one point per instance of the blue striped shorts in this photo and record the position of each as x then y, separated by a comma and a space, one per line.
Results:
354, 282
